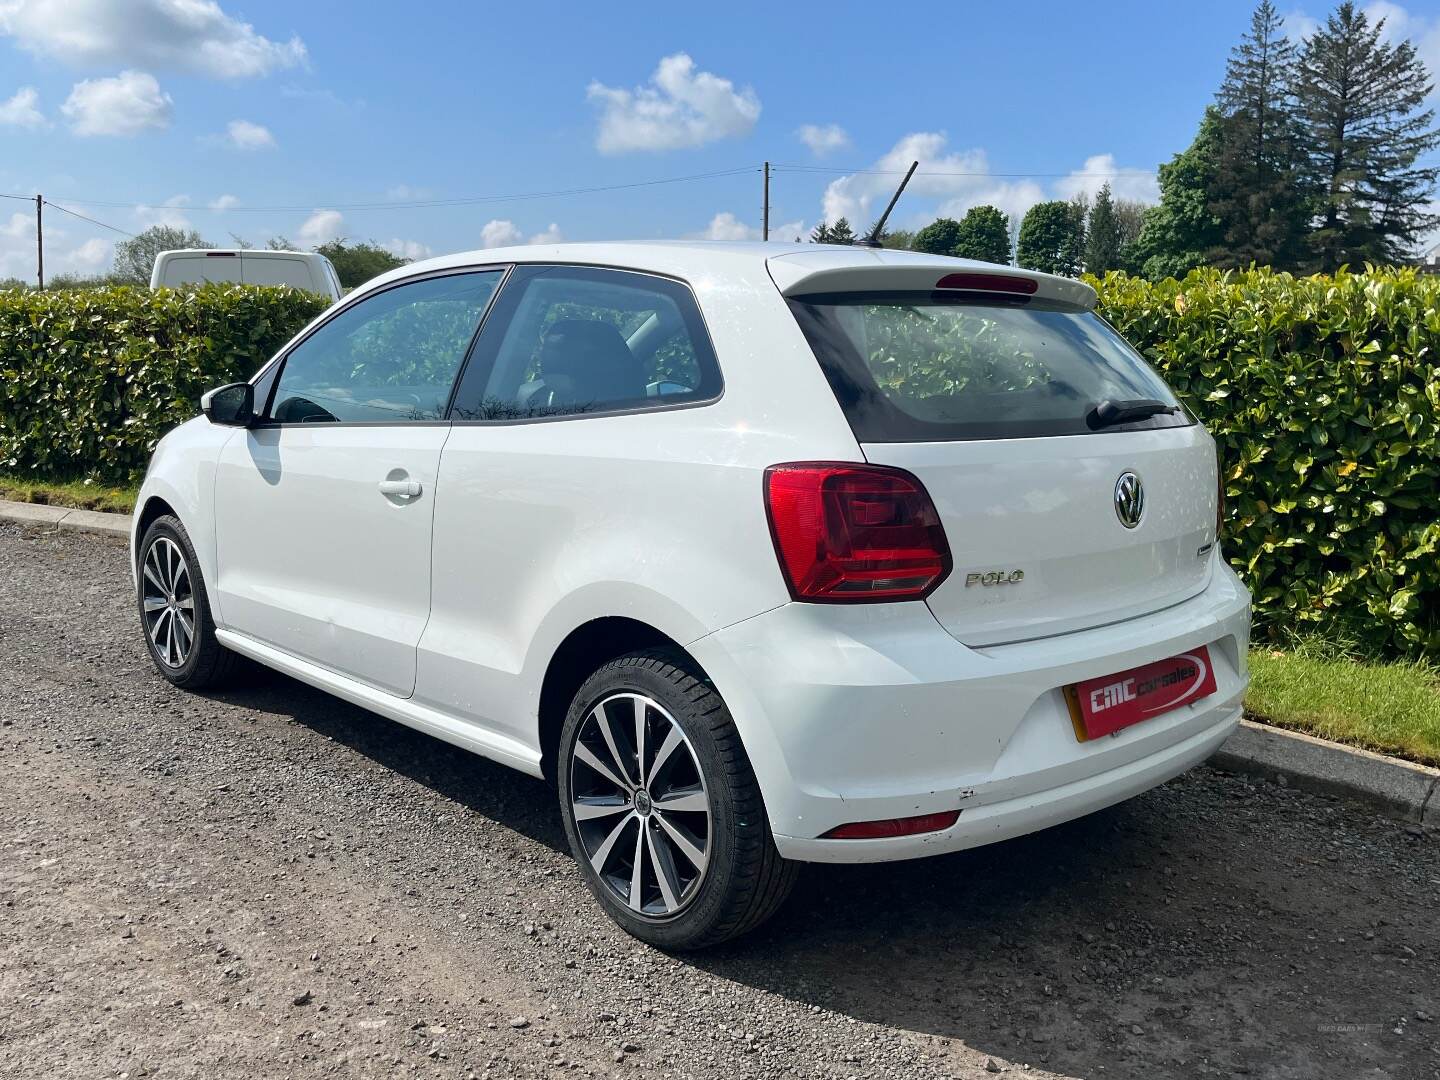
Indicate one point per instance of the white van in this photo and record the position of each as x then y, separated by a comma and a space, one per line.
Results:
195, 266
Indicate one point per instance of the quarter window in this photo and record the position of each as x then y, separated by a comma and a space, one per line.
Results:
573, 341
391, 358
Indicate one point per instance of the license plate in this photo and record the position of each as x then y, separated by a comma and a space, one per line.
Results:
1105, 705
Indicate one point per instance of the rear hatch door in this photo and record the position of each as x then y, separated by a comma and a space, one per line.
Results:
1074, 489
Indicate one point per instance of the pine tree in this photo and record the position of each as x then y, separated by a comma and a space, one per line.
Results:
1364, 125
984, 234
841, 233
1257, 192
820, 234
1102, 236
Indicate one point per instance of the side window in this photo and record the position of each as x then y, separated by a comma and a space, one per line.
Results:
392, 357
575, 340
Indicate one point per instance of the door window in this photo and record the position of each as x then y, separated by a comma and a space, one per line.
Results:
391, 358
574, 341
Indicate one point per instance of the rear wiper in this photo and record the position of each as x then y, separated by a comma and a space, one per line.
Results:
1108, 413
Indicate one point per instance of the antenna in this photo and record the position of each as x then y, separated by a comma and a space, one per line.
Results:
873, 240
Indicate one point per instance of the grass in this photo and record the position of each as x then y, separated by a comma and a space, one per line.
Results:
80, 494
1391, 707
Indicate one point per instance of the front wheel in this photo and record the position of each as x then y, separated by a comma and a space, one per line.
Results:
175, 609
662, 809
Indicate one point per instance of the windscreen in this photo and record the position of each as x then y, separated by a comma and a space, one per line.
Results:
921, 367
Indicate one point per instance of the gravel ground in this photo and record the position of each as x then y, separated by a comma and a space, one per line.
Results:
267, 882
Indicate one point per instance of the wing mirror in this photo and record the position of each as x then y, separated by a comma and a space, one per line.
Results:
232, 405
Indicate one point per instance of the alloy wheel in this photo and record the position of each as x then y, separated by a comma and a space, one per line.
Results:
639, 804
168, 602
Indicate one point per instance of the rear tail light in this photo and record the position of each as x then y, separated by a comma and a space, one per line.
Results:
853, 533
905, 826
1006, 283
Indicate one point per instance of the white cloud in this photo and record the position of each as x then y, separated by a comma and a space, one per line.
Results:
171, 213
551, 235
1100, 169
20, 227
953, 182
17, 250
194, 36
407, 249
243, 135
321, 227
224, 202
726, 226
406, 193
1299, 26
22, 110
958, 180
91, 256
127, 104
500, 233
823, 140
680, 107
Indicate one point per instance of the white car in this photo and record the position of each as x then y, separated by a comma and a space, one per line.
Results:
198, 266
763, 554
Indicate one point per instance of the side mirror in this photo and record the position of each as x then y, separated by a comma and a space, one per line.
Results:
232, 405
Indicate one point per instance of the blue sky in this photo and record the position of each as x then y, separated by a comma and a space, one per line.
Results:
188, 111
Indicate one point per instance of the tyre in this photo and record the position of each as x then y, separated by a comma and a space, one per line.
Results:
661, 808
175, 609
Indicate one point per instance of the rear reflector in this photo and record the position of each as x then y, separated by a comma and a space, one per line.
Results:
854, 533
1005, 283
904, 826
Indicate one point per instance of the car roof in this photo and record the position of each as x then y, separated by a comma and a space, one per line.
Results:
250, 253
795, 268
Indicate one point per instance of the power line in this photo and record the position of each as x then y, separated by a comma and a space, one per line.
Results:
417, 204
26, 198
935, 172
91, 220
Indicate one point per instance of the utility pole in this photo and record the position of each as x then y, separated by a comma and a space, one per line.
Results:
765, 225
39, 242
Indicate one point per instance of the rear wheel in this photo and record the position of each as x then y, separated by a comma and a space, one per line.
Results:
661, 807
175, 609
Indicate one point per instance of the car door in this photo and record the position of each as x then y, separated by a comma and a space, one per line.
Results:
323, 507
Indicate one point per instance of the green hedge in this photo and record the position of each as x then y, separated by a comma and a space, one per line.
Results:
90, 380
1324, 395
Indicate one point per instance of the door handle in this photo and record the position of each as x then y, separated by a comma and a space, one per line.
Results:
404, 489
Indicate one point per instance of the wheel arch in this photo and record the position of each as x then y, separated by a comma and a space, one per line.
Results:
584, 650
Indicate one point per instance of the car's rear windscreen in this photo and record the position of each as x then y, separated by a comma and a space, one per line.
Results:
923, 367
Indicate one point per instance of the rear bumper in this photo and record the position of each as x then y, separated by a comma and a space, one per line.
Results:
872, 712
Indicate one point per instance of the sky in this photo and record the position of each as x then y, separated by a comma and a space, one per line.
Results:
441, 126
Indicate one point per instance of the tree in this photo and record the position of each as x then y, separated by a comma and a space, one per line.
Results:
839, 233
898, 240
1258, 192
1363, 127
984, 235
1129, 220
940, 237
1050, 240
357, 263
1102, 234
1178, 234
135, 258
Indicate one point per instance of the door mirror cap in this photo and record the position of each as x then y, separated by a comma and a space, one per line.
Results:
232, 405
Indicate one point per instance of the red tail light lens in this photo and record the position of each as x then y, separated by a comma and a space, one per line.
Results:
854, 533
905, 826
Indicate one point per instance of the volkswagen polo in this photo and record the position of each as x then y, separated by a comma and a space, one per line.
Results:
760, 554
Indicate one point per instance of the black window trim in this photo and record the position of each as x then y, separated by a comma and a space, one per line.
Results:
629, 410
268, 377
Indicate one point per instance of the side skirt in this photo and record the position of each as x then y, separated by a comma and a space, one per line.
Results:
487, 744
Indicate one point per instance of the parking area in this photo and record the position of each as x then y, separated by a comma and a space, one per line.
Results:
270, 882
